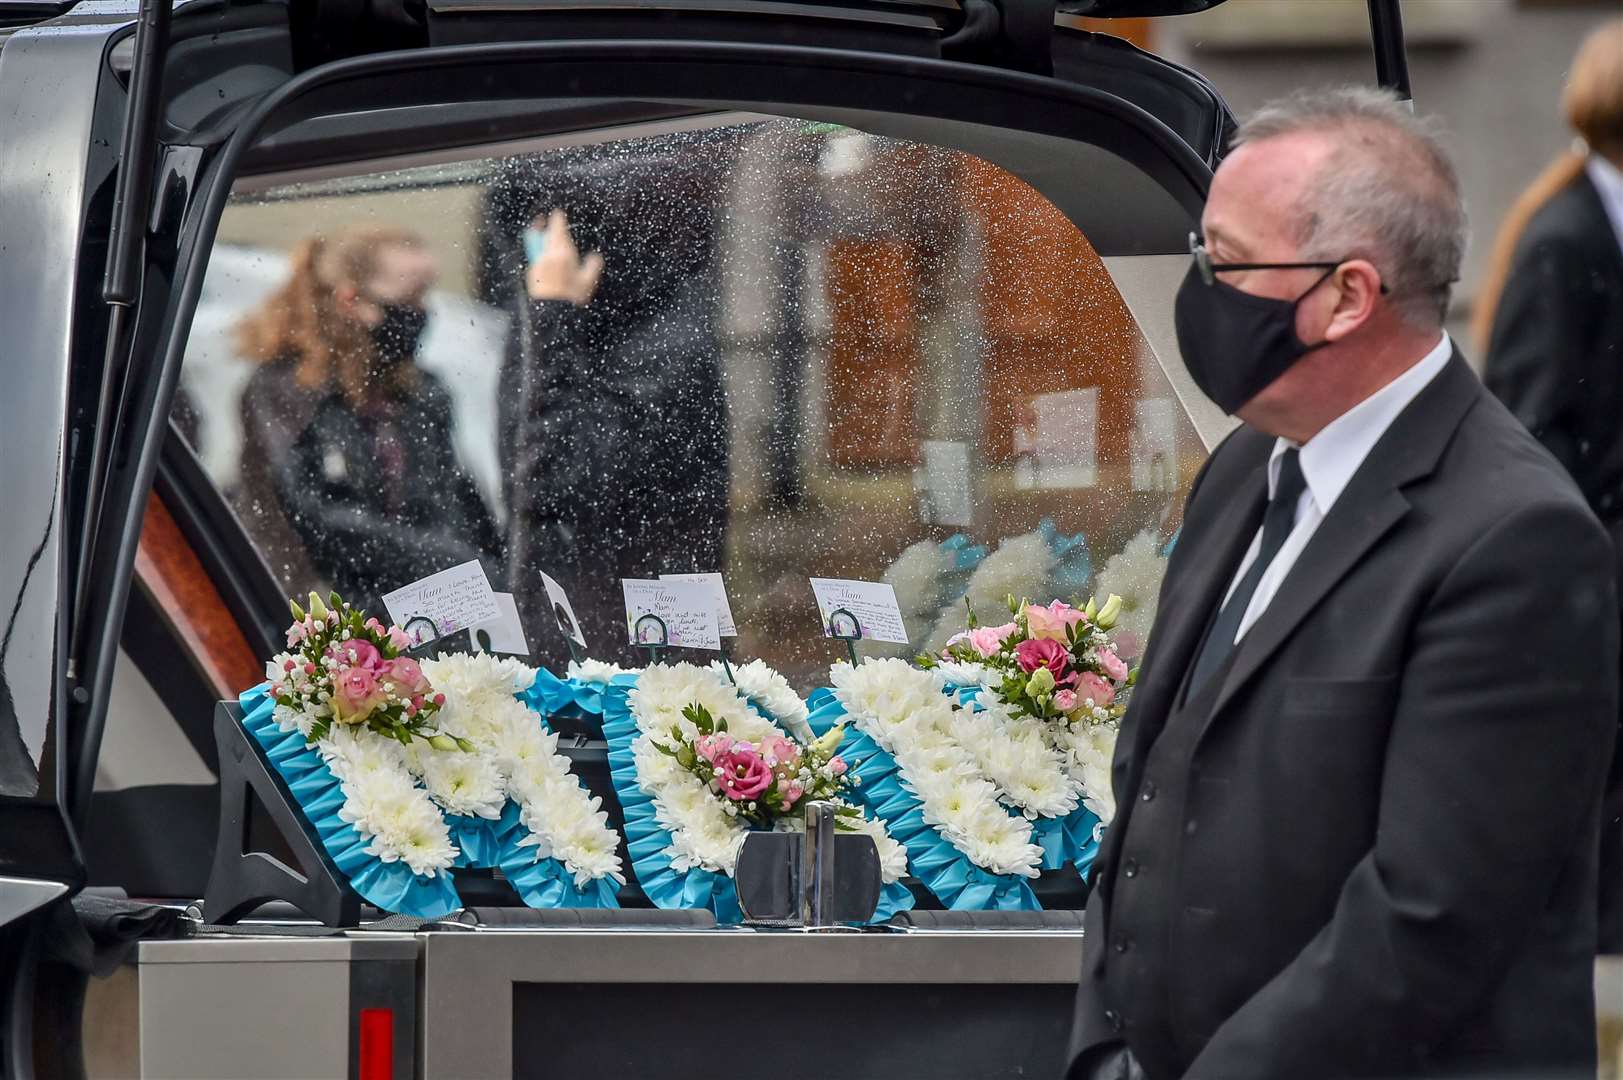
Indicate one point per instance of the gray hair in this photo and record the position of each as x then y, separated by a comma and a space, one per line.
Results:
1387, 193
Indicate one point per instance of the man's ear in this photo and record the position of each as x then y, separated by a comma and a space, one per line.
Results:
1358, 292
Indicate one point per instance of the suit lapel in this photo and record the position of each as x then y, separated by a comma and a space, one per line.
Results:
1370, 506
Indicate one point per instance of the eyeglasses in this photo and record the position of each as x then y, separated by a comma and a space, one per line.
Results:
1209, 270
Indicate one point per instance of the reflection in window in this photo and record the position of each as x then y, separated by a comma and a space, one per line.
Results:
811, 351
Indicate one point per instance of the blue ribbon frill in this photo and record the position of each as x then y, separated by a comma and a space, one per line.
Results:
390, 886
944, 870
543, 883
552, 696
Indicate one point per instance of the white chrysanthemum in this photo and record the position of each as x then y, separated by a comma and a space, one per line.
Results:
1134, 574
916, 577
1090, 749
594, 671
469, 784
961, 673
892, 855
772, 692
384, 803
904, 710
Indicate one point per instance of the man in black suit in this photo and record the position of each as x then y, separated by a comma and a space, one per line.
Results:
1358, 785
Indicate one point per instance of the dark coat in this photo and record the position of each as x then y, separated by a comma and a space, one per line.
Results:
379, 498
1556, 360
1397, 787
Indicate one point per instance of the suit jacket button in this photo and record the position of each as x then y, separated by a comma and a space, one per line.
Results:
1113, 1018
1147, 792
1189, 827
1129, 869
1123, 944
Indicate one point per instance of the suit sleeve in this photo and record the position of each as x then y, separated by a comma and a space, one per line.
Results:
1536, 355
1492, 774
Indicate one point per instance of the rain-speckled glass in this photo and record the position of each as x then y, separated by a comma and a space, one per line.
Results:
810, 351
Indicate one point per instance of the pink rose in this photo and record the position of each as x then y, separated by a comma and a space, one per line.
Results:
792, 793
836, 765
358, 653
398, 639
987, 640
356, 692
1065, 700
1051, 623
1095, 689
407, 677
1034, 653
1112, 665
742, 773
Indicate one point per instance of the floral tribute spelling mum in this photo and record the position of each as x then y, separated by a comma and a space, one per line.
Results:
409, 769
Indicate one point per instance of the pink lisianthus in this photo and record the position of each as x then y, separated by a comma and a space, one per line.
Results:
985, 640
780, 751
792, 793
837, 766
295, 634
398, 639
1092, 688
742, 773
710, 747
1051, 623
404, 673
1113, 666
1065, 700
1034, 653
356, 692
358, 653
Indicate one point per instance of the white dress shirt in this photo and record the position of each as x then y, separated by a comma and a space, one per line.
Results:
1329, 460
1608, 182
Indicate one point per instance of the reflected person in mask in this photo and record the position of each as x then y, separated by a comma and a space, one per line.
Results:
353, 438
614, 416
1359, 781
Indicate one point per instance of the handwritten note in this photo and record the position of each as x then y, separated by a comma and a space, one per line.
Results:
873, 603
563, 612
506, 631
717, 589
680, 613
452, 599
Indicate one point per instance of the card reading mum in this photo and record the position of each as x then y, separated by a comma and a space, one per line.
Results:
679, 613
718, 598
453, 599
871, 603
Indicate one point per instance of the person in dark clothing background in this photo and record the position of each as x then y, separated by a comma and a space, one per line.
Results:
1551, 318
614, 419
349, 436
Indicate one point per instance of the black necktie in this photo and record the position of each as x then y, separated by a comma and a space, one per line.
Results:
1276, 526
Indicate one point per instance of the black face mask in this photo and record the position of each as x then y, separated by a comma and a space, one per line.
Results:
397, 335
1235, 344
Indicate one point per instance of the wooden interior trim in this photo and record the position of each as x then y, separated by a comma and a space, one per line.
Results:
173, 576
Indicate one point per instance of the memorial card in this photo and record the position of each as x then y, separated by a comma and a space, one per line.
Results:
859, 609
505, 631
670, 613
718, 594
945, 484
563, 611
450, 600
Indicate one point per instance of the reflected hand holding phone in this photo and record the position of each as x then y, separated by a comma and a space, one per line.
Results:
557, 271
